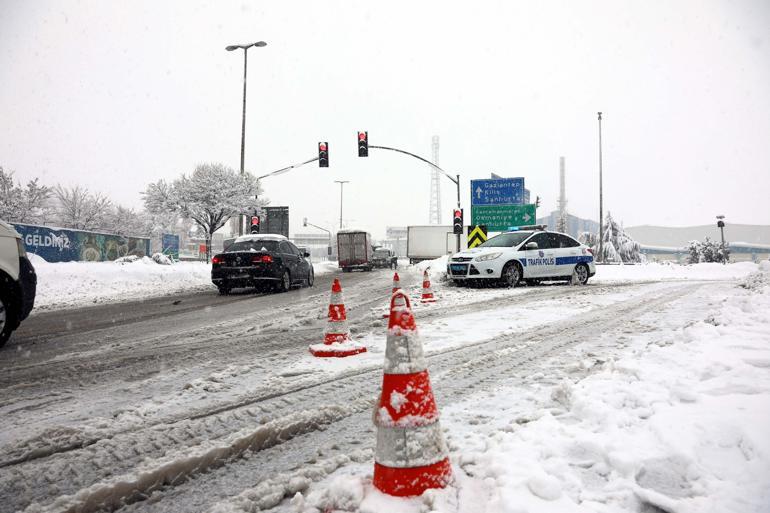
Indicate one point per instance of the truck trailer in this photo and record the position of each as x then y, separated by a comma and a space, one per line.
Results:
432, 241
354, 250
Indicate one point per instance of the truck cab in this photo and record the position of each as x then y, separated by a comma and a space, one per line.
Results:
18, 282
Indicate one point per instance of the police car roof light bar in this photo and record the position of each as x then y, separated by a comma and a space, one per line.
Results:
528, 227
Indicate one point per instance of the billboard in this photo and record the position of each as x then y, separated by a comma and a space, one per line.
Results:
65, 245
170, 245
276, 221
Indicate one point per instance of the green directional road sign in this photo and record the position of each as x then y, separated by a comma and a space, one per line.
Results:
500, 218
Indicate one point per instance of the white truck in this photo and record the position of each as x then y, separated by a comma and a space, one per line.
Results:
18, 282
432, 241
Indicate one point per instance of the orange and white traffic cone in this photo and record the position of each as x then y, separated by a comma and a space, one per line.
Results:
411, 455
396, 286
427, 292
337, 340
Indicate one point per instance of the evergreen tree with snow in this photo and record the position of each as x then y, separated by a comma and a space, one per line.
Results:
617, 245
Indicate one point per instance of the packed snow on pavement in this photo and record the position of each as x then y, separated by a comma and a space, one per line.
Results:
672, 418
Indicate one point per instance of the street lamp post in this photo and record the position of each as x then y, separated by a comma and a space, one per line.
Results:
341, 182
601, 208
245, 48
721, 225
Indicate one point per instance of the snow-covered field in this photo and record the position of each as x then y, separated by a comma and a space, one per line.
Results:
74, 284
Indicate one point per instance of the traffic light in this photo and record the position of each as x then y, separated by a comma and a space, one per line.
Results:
457, 225
537, 201
363, 144
254, 224
323, 154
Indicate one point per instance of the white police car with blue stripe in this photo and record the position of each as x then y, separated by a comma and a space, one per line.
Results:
529, 254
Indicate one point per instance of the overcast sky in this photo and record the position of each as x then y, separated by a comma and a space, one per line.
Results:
114, 95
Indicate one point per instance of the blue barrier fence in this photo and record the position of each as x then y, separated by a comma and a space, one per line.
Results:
65, 245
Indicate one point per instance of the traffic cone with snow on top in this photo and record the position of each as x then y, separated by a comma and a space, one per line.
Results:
411, 455
337, 340
396, 286
427, 292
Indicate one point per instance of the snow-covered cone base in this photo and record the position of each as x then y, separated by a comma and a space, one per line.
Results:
411, 455
410, 482
348, 348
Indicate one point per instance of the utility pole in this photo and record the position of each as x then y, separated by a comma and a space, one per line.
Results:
601, 206
342, 183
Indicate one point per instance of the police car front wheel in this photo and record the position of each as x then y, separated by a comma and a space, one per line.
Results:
511, 274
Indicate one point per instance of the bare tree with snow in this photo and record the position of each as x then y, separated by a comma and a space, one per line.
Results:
80, 209
210, 196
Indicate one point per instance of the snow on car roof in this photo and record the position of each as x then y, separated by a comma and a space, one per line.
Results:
270, 236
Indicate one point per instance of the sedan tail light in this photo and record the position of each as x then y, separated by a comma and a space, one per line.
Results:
265, 259
591, 251
216, 260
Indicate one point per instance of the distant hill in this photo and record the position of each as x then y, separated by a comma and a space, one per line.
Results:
679, 236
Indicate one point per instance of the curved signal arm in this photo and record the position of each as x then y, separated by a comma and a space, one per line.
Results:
456, 180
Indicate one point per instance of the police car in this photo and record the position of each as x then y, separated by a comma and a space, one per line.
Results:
530, 253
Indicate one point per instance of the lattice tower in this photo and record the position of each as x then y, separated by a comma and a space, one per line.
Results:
435, 188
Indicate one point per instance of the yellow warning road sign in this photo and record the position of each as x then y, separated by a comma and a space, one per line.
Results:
477, 233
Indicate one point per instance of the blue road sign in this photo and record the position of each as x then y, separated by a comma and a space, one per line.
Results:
503, 191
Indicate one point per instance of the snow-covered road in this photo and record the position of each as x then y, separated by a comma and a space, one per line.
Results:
223, 409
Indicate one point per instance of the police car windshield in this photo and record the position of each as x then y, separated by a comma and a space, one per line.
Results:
506, 240
253, 245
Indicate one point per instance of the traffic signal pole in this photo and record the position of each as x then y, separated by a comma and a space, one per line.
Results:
431, 164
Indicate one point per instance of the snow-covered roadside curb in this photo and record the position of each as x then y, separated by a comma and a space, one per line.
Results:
76, 284
678, 422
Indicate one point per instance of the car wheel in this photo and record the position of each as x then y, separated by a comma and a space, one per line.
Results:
285, 284
310, 277
5, 320
511, 274
224, 289
581, 272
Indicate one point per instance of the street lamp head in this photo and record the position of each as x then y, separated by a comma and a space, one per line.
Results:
720, 217
231, 48
260, 43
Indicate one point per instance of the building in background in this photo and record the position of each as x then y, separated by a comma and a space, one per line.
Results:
317, 245
575, 224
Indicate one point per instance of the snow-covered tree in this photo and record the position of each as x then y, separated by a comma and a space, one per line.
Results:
19, 204
78, 208
617, 245
707, 251
210, 196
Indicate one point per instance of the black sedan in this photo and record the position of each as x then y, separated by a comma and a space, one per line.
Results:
259, 260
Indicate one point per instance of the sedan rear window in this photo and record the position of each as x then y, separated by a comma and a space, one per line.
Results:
253, 246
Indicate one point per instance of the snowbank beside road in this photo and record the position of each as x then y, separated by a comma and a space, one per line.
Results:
74, 284
671, 272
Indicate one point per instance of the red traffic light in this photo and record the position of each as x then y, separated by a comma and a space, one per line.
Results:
458, 213
321, 147
361, 136
255, 220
